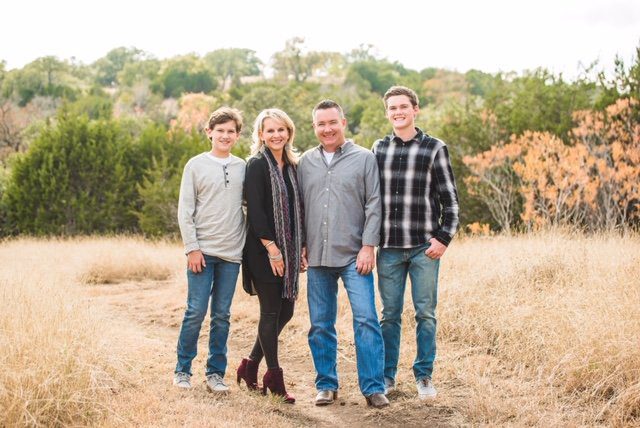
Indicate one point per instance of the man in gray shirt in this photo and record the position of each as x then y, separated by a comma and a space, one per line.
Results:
340, 186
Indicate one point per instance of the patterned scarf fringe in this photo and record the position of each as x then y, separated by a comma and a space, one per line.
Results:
288, 238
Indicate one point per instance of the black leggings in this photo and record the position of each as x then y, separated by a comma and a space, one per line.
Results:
275, 313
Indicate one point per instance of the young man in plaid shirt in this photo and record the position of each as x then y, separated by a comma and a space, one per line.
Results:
419, 219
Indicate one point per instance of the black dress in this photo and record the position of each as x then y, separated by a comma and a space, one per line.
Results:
261, 224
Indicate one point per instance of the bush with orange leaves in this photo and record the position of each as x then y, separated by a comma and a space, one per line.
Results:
592, 182
194, 111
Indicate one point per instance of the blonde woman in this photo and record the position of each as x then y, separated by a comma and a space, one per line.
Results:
274, 253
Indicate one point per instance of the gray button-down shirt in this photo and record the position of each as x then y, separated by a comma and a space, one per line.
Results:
341, 202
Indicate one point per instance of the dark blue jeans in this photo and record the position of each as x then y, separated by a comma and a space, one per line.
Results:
216, 285
393, 267
322, 295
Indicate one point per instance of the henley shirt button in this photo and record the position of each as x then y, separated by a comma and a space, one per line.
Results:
327, 189
325, 206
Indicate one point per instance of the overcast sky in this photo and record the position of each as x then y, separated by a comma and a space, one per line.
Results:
488, 35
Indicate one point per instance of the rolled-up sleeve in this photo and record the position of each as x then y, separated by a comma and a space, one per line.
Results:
448, 196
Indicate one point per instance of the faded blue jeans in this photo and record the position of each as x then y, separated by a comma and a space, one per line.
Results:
216, 285
393, 266
322, 296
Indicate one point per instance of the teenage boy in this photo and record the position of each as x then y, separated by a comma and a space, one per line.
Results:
419, 219
340, 187
213, 231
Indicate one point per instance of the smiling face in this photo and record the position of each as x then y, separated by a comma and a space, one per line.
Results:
329, 127
223, 136
275, 134
401, 113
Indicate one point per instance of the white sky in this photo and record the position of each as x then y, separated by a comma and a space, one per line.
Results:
489, 35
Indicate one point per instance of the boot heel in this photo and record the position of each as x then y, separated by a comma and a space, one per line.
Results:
248, 371
273, 379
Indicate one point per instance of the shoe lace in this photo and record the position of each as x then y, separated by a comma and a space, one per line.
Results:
182, 377
426, 382
216, 379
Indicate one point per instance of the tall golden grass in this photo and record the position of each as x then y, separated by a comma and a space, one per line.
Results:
558, 313
533, 330
57, 362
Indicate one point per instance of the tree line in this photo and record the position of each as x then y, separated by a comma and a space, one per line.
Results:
99, 148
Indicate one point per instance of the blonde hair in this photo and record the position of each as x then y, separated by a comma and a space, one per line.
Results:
290, 153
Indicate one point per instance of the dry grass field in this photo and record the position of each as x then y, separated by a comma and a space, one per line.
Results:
539, 330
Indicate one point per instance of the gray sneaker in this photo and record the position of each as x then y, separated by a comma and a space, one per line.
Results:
182, 380
389, 385
426, 390
216, 384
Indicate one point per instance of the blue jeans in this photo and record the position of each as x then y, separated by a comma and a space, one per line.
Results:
218, 281
322, 295
393, 266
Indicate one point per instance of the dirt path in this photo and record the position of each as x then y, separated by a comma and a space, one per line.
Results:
149, 315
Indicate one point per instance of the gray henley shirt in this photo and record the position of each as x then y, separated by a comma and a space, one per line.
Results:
210, 211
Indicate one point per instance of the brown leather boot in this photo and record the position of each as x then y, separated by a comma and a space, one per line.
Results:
248, 371
273, 380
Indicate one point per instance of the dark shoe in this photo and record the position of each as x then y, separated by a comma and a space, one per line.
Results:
377, 400
248, 371
273, 380
326, 397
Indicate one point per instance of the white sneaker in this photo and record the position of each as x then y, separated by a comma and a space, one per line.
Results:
389, 385
216, 384
426, 390
182, 380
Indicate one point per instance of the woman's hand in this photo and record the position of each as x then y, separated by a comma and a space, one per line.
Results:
276, 260
304, 263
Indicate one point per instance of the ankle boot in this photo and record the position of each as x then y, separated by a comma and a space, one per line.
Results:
248, 371
274, 381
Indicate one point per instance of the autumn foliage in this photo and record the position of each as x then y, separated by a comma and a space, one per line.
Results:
593, 181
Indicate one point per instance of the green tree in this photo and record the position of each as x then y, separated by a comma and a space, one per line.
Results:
294, 63
96, 105
625, 82
46, 76
232, 64
379, 75
3, 71
72, 180
186, 73
539, 101
108, 67
297, 99
139, 71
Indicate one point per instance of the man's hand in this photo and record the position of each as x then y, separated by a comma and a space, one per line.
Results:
195, 261
436, 250
366, 261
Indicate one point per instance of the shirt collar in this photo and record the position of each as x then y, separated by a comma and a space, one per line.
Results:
343, 148
418, 137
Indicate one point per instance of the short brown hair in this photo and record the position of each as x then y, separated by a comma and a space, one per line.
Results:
401, 90
326, 105
223, 115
